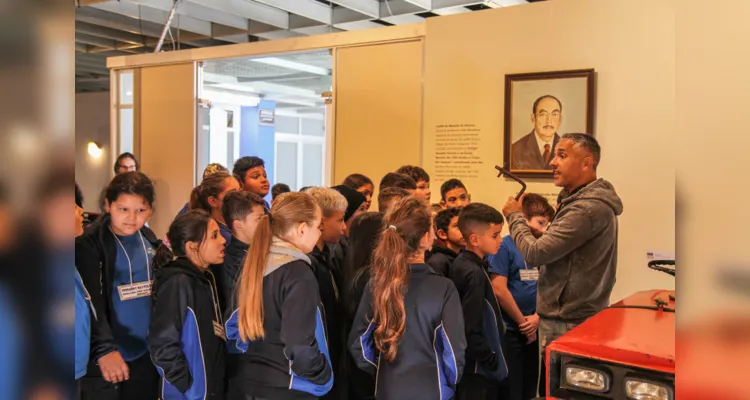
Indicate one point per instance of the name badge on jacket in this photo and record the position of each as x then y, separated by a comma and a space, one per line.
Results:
529, 274
134, 290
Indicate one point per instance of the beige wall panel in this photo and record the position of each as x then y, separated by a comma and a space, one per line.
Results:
167, 110
378, 103
631, 46
713, 87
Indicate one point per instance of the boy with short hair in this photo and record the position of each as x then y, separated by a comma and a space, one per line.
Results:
515, 286
480, 226
388, 197
448, 241
453, 194
252, 174
333, 206
421, 177
242, 212
393, 179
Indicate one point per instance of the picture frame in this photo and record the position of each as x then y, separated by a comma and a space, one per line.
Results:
540, 107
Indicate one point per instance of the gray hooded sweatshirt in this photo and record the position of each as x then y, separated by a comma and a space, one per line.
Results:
577, 254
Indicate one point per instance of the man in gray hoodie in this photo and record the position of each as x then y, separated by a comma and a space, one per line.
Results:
577, 254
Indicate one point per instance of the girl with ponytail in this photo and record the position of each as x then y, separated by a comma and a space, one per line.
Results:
277, 322
209, 196
186, 336
426, 360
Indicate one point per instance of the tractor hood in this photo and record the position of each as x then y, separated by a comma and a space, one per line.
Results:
632, 332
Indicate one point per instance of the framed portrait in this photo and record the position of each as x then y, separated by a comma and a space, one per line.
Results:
539, 109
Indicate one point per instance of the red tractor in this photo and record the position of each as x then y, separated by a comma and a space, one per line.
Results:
626, 351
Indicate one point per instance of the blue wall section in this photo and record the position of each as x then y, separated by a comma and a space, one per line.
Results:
258, 139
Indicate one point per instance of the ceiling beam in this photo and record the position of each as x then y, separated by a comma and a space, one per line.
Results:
245, 9
318, 30
368, 7
115, 21
108, 33
195, 10
404, 19
280, 34
343, 15
424, 4
398, 7
95, 40
91, 69
451, 10
358, 25
156, 16
306, 8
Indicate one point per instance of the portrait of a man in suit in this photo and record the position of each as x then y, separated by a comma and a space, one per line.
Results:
535, 150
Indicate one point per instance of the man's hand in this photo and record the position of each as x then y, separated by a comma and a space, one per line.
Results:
531, 338
513, 205
113, 367
530, 326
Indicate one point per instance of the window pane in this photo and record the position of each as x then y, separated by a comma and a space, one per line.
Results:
126, 130
312, 172
286, 164
313, 127
287, 124
126, 88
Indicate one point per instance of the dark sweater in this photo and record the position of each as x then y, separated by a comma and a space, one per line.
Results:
440, 259
482, 317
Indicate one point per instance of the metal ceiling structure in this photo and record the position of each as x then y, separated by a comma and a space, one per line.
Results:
105, 28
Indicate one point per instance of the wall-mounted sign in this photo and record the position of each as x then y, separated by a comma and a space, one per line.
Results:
266, 117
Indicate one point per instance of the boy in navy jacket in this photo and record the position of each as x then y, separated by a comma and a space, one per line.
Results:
449, 241
480, 226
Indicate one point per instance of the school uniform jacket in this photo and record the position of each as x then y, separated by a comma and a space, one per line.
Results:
291, 361
320, 261
430, 358
484, 323
186, 337
96, 254
440, 259
227, 273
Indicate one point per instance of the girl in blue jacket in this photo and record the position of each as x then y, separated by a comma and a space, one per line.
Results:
409, 329
278, 324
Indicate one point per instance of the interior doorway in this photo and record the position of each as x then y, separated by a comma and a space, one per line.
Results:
272, 107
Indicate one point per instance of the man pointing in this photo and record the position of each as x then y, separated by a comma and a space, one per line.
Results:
578, 252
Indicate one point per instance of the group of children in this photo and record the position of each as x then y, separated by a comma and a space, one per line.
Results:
311, 296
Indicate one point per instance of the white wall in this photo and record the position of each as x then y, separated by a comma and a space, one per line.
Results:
92, 124
468, 56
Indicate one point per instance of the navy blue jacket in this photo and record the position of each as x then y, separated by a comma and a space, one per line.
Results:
440, 259
292, 359
184, 342
430, 358
227, 273
484, 323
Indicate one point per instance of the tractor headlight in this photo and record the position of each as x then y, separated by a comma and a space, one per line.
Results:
586, 378
644, 390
